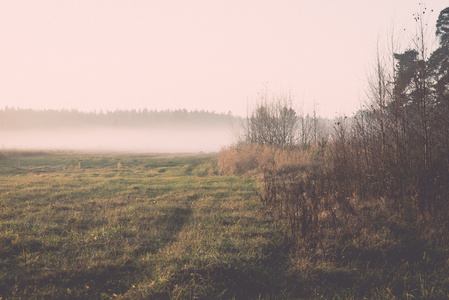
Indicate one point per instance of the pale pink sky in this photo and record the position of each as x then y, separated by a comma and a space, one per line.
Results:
199, 54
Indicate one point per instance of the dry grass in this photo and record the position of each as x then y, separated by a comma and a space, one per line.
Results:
253, 159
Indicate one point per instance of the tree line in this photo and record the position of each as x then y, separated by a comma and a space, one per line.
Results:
18, 118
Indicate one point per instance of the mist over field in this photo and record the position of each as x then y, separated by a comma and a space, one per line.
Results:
132, 131
107, 139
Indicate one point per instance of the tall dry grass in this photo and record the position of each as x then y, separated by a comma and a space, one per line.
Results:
254, 159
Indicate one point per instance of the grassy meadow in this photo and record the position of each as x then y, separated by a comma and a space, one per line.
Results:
134, 226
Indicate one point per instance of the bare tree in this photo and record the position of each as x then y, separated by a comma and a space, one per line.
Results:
273, 123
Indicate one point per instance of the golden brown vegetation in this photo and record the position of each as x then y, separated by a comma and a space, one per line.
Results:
389, 162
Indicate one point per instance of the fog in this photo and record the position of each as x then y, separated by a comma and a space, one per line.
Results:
108, 139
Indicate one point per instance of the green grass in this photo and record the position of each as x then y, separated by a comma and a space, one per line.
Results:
80, 225
158, 227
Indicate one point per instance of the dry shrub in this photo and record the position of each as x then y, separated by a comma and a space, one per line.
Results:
306, 189
243, 159
253, 159
297, 186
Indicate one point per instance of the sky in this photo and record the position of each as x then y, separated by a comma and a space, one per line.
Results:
200, 54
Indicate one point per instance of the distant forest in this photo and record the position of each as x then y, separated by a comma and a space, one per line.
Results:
17, 118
